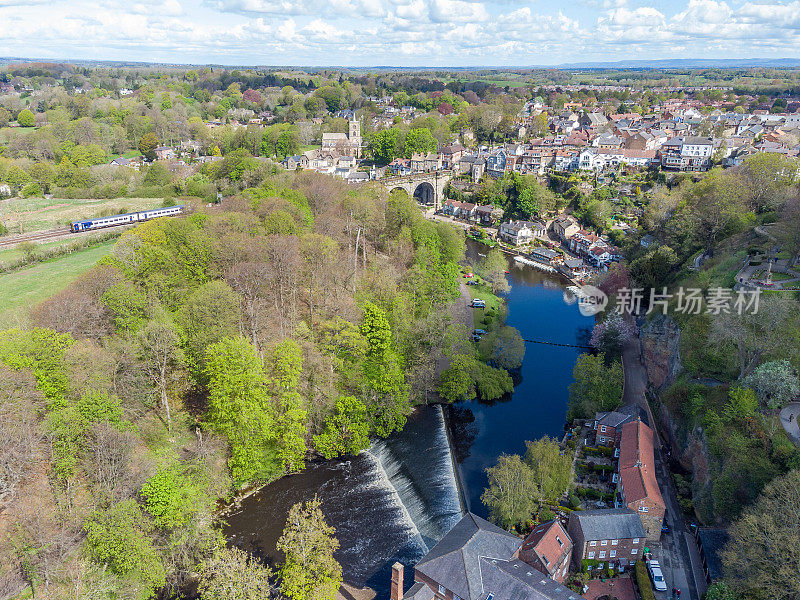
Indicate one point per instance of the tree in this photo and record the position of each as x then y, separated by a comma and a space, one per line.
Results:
550, 468
420, 140
310, 571
163, 357
596, 386
118, 538
148, 145
493, 268
288, 143
610, 335
761, 558
26, 118
758, 334
719, 590
385, 145
716, 204
506, 348
232, 574
170, 497
769, 178
776, 383
239, 409
512, 492
346, 430
652, 269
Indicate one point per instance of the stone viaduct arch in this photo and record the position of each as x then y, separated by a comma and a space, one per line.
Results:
427, 187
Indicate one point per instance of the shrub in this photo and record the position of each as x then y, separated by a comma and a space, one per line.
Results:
643, 581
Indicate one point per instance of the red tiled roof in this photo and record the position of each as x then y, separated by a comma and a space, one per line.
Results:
637, 469
542, 542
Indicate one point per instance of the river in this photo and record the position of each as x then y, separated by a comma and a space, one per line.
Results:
396, 500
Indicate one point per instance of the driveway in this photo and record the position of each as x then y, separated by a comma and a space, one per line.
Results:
789, 417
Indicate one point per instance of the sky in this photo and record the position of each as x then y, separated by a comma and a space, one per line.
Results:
398, 32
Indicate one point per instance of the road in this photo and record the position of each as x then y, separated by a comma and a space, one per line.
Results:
789, 416
676, 551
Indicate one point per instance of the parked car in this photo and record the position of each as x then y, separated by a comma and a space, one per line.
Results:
478, 303
656, 575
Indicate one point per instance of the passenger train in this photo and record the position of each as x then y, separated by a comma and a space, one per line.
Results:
114, 220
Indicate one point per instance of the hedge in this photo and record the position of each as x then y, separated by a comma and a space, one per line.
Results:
643, 581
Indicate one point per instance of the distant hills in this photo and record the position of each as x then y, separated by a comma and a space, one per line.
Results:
670, 63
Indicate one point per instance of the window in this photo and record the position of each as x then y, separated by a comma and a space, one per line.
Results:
603, 428
593, 543
614, 542
643, 509
635, 540
558, 539
442, 591
604, 543
634, 551
602, 439
591, 555
602, 554
456, 597
612, 553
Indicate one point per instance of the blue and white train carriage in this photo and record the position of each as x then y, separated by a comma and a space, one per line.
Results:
115, 220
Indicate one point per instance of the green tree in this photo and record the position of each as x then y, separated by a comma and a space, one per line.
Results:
719, 590
232, 574
492, 268
240, 410
170, 497
506, 348
597, 387
148, 144
26, 118
288, 143
310, 571
761, 558
385, 145
420, 140
386, 389
512, 493
550, 468
346, 429
776, 383
118, 538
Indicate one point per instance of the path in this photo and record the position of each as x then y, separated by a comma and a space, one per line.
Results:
791, 427
677, 551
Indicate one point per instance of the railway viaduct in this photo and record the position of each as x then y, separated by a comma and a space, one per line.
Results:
427, 187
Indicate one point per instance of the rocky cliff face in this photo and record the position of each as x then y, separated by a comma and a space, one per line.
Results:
659, 339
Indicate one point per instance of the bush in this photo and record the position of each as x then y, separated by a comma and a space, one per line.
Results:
574, 501
643, 581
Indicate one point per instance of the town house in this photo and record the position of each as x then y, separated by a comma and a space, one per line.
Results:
517, 233
613, 535
637, 487
548, 548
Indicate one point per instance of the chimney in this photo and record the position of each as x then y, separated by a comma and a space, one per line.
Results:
397, 581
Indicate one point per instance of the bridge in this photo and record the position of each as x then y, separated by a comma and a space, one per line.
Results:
427, 187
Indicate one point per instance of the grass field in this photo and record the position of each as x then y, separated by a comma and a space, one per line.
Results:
25, 288
35, 214
9, 255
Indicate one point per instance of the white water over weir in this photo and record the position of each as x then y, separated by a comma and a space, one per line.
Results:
419, 466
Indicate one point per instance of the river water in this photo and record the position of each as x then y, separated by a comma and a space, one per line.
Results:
396, 500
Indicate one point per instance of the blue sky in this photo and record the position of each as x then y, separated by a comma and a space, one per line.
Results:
398, 32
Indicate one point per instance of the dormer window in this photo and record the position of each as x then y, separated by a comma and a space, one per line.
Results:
558, 539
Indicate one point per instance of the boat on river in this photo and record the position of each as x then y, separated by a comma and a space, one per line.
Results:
532, 263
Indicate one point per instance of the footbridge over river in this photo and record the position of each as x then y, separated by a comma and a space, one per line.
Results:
427, 187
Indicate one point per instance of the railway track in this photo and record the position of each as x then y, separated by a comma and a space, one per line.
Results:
10, 241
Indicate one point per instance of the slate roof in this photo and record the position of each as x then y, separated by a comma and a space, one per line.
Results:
515, 580
623, 414
608, 524
712, 540
455, 561
418, 591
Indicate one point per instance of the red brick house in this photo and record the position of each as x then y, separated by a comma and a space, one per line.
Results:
548, 548
613, 535
637, 487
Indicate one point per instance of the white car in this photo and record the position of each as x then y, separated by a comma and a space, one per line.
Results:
655, 574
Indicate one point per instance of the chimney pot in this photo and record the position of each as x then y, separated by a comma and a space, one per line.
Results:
397, 581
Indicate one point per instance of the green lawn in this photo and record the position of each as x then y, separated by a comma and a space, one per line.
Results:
9, 255
35, 214
27, 287
494, 305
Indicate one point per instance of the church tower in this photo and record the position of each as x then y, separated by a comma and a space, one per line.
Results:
354, 137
